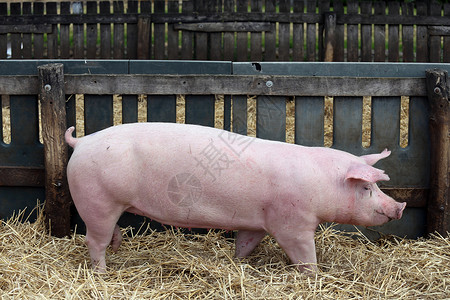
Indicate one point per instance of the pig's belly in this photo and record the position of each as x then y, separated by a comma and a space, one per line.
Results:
185, 200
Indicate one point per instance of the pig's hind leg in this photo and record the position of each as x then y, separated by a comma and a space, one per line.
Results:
116, 239
246, 241
101, 231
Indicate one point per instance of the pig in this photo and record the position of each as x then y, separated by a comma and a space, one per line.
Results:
202, 177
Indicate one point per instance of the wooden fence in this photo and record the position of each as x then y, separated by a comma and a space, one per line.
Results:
231, 30
27, 166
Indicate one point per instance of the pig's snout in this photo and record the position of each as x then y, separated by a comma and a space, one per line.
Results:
400, 208
396, 211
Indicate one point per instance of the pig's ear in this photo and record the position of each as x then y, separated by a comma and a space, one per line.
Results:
371, 159
366, 173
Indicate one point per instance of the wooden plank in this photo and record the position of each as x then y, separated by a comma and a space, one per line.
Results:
439, 204
78, 32
352, 33
220, 84
312, 17
446, 56
270, 36
22, 176
393, 38
256, 37
105, 32
215, 37
159, 32
38, 38
330, 38
172, 33
324, 7
434, 42
228, 37
144, 38
421, 35
64, 32
187, 45
75, 18
407, 34
91, 31
26, 37
439, 30
379, 33
234, 85
298, 35
52, 38
241, 37
366, 33
132, 37
284, 32
309, 121
119, 37
225, 27
26, 29
415, 197
339, 33
3, 37
16, 39
201, 38
57, 195
311, 33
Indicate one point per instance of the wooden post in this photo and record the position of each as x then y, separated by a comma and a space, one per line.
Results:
438, 203
57, 196
144, 39
329, 39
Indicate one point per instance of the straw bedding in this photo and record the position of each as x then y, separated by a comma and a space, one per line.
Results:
172, 265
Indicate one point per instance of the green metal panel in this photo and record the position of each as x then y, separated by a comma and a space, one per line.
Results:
15, 199
74, 66
240, 114
358, 69
347, 124
25, 148
98, 112
386, 134
309, 115
179, 67
129, 108
271, 118
161, 108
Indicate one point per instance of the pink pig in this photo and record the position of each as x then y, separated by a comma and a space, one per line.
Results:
202, 177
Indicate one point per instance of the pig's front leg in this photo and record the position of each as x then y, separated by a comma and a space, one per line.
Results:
247, 240
300, 248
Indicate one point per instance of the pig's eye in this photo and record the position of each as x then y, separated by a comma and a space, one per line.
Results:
367, 188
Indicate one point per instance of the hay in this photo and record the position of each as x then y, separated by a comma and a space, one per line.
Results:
171, 265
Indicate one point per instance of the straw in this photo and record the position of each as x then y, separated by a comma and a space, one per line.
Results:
173, 265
